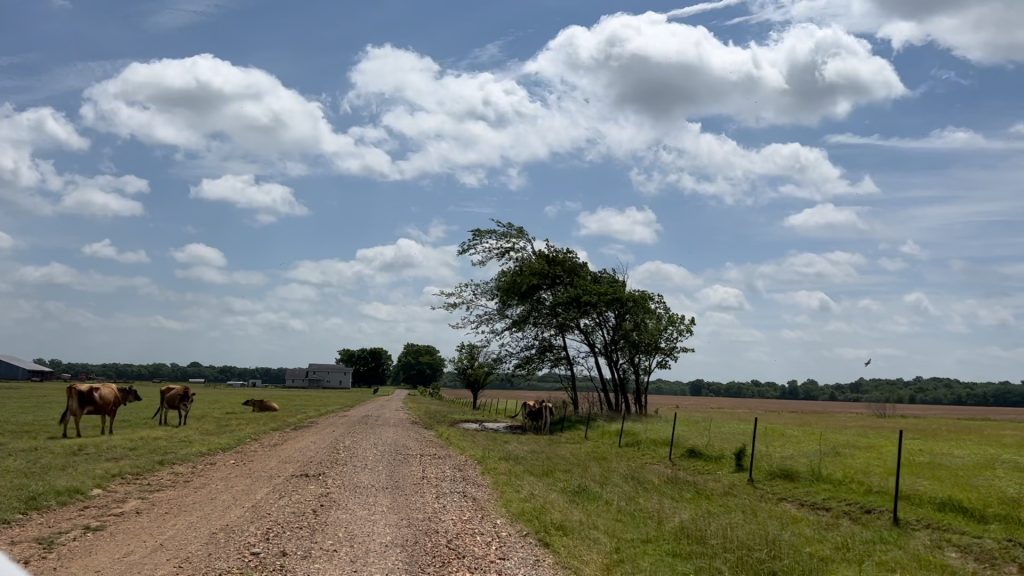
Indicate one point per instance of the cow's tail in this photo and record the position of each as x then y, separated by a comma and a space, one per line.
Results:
520, 409
157, 411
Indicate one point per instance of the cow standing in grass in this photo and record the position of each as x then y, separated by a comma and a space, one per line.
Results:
101, 399
174, 397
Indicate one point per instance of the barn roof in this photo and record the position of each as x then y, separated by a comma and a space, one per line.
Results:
25, 364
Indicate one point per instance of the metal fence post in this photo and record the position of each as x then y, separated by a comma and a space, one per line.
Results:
896, 495
753, 446
622, 427
672, 442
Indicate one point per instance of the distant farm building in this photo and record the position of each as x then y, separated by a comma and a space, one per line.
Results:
14, 368
197, 380
319, 376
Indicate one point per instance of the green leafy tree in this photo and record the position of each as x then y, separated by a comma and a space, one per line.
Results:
418, 365
370, 366
474, 367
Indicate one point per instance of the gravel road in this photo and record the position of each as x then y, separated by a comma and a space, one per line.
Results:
367, 491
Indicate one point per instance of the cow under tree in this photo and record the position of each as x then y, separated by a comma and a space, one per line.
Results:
537, 416
174, 397
99, 399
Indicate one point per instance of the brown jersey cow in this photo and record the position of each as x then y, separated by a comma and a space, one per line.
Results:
174, 397
261, 405
101, 399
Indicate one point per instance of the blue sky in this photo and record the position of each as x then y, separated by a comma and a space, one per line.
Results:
256, 183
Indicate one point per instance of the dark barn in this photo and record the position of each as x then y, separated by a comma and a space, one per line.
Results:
14, 368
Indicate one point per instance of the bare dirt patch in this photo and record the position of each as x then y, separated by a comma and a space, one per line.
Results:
765, 405
366, 491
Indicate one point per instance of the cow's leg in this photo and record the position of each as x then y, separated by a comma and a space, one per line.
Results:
179, 417
103, 424
78, 428
112, 416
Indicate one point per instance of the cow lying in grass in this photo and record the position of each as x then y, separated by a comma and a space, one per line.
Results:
261, 405
537, 416
174, 397
101, 399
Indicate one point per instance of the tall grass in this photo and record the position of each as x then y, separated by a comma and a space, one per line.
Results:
820, 503
39, 469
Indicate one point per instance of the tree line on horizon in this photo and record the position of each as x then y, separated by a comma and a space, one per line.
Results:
918, 390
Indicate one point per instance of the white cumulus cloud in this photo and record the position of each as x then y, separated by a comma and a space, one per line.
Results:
983, 31
661, 70
826, 218
199, 254
810, 300
919, 302
106, 249
269, 200
723, 298
632, 224
6, 241
404, 259
210, 107
658, 275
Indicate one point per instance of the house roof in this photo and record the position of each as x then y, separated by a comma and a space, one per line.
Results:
295, 373
25, 364
329, 367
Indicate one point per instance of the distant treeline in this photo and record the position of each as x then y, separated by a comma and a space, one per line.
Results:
172, 372
891, 390
919, 390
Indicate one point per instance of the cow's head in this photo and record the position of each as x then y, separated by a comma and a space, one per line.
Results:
129, 394
249, 402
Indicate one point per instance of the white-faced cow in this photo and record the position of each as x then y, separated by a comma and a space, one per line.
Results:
174, 397
261, 405
101, 399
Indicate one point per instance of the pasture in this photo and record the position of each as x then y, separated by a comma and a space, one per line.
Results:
39, 469
820, 504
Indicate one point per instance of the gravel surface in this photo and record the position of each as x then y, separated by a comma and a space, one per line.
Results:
367, 491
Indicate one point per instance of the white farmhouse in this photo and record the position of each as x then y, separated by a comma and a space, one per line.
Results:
319, 376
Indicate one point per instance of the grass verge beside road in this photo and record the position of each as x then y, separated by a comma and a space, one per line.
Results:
39, 469
820, 505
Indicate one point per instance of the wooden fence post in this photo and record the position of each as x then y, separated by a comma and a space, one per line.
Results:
586, 429
565, 411
753, 446
896, 495
672, 442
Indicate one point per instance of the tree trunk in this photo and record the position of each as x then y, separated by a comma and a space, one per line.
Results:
476, 396
574, 396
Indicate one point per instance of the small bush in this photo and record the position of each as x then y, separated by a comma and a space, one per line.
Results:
739, 458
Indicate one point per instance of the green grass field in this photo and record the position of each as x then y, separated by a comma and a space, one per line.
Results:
821, 502
39, 469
